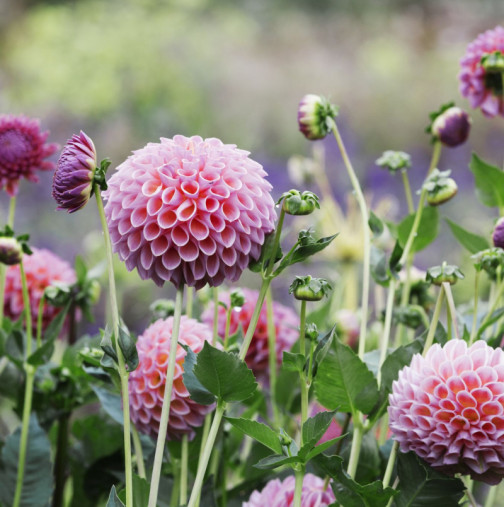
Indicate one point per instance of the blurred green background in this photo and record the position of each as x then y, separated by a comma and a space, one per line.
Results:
130, 71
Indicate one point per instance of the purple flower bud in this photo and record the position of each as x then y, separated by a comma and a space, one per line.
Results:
10, 251
498, 233
452, 127
73, 178
313, 112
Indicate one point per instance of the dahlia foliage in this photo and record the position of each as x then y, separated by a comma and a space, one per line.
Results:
290, 369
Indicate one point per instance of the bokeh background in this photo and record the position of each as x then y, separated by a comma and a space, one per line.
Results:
130, 71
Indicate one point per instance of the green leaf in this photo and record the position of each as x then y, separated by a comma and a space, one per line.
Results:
128, 348
421, 486
113, 499
80, 269
315, 427
140, 491
307, 452
275, 461
293, 362
37, 482
224, 374
375, 224
378, 266
258, 431
489, 181
470, 241
496, 315
198, 393
344, 381
110, 402
427, 230
107, 346
323, 346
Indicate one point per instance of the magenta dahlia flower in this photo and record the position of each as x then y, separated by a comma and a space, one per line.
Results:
189, 210
23, 150
449, 409
43, 269
73, 178
481, 78
279, 493
147, 382
286, 327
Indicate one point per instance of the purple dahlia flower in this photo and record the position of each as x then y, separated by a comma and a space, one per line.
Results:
498, 233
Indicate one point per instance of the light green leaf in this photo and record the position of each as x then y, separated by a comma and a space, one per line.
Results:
258, 431
427, 230
470, 241
489, 181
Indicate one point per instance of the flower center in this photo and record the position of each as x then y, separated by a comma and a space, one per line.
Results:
13, 145
493, 63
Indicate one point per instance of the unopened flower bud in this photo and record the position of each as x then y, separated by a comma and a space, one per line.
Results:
296, 203
493, 63
306, 288
311, 331
452, 127
444, 273
489, 260
313, 113
498, 233
162, 309
440, 188
394, 161
11, 251
237, 299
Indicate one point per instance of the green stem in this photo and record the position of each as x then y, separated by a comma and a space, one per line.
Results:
298, 489
165, 411
39, 320
60, 460
228, 325
434, 321
304, 387
3, 267
189, 301
137, 444
495, 301
276, 243
387, 326
492, 495
367, 238
451, 307
272, 357
310, 364
390, 464
475, 309
356, 445
383, 429
183, 470
123, 373
407, 191
174, 500
215, 292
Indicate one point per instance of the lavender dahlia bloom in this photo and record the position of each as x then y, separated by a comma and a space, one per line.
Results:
73, 178
480, 77
147, 382
23, 150
498, 233
189, 210
449, 409
279, 493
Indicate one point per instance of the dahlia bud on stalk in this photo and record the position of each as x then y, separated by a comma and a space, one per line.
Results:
296, 203
12, 248
311, 331
162, 309
237, 299
450, 125
313, 113
440, 188
306, 288
394, 161
444, 273
489, 260
498, 233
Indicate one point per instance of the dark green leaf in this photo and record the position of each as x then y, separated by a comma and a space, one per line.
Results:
258, 431
315, 427
198, 393
470, 241
128, 348
108, 347
141, 490
276, 460
110, 402
489, 181
113, 499
378, 262
427, 230
375, 224
323, 346
224, 374
293, 362
307, 452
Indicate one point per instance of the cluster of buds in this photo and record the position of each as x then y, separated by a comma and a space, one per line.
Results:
445, 273
306, 288
299, 203
450, 125
490, 260
394, 161
12, 247
314, 115
440, 187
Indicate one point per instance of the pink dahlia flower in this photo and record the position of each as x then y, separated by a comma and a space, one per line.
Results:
286, 327
43, 269
147, 382
481, 83
279, 493
449, 409
23, 150
189, 210
73, 178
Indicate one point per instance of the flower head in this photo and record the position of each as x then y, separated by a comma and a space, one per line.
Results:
440, 187
452, 127
481, 78
73, 178
147, 382
448, 407
279, 493
189, 210
313, 114
43, 269
394, 161
11, 251
286, 328
498, 233
23, 150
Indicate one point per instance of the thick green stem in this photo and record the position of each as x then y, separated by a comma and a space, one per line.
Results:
228, 325
358, 433
390, 464
189, 301
39, 320
298, 489
407, 191
367, 238
215, 292
165, 411
302, 350
123, 373
272, 357
387, 326
3, 267
451, 306
475, 309
434, 321
492, 495
183, 470
276, 243
60, 460
137, 444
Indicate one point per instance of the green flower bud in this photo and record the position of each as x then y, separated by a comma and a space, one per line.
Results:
237, 299
444, 273
440, 188
489, 260
296, 203
306, 288
311, 332
313, 113
394, 161
162, 309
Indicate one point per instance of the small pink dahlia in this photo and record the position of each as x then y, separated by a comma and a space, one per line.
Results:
449, 409
480, 77
279, 493
147, 382
43, 268
23, 149
286, 327
189, 210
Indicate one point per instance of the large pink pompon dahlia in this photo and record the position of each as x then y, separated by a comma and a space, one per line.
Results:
189, 210
43, 269
481, 75
279, 493
23, 150
286, 327
147, 382
449, 409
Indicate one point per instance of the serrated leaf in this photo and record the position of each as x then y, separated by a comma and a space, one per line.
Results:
489, 181
113, 499
307, 453
224, 374
128, 347
198, 393
258, 431
275, 461
293, 362
427, 230
470, 241
315, 427
344, 381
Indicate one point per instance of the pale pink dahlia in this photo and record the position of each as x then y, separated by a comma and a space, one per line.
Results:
43, 268
449, 409
23, 150
286, 327
481, 81
189, 210
147, 382
279, 493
